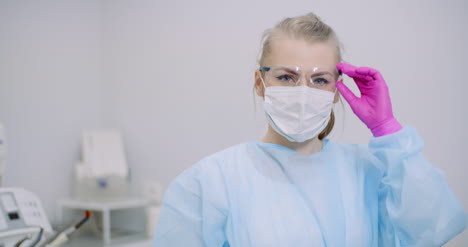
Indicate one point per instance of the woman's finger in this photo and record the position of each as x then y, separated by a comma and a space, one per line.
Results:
347, 94
349, 70
369, 73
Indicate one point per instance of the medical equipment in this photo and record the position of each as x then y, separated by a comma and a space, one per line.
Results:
62, 237
102, 175
23, 221
2, 153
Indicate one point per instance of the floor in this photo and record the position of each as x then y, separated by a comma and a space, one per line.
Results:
88, 242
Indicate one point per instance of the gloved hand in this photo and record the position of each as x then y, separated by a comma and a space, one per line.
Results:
373, 107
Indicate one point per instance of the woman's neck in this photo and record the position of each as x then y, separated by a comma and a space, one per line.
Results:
308, 147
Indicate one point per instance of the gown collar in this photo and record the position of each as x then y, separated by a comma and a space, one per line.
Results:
271, 147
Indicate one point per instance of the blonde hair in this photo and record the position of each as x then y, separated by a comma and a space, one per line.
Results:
310, 28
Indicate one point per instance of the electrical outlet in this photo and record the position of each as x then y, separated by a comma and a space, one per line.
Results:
153, 191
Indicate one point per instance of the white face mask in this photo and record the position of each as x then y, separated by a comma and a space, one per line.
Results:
298, 113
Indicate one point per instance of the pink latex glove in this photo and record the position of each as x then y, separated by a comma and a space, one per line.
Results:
373, 107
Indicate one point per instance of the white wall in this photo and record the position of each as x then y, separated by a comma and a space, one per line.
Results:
176, 77
50, 88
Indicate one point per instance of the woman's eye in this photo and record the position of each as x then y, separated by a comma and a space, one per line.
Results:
320, 81
285, 78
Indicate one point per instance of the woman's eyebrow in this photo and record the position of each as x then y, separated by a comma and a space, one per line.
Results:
289, 70
322, 73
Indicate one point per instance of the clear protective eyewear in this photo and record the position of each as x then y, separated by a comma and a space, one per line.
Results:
291, 76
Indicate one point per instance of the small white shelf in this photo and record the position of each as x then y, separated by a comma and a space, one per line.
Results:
105, 207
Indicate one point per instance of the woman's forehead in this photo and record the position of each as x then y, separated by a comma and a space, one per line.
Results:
286, 51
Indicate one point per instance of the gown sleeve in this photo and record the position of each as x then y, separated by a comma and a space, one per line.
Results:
416, 205
193, 211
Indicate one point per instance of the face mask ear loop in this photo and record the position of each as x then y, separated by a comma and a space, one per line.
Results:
336, 88
264, 86
263, 82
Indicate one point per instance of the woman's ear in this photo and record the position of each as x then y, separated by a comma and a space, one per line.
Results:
337, 94
337, 97
259, 88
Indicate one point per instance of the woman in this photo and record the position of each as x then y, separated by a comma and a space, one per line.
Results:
296, 188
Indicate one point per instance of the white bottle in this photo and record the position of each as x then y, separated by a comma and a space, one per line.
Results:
3, 152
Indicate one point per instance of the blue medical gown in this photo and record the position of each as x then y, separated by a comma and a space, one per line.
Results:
259, 194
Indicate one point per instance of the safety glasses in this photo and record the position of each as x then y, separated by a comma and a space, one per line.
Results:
291, 76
